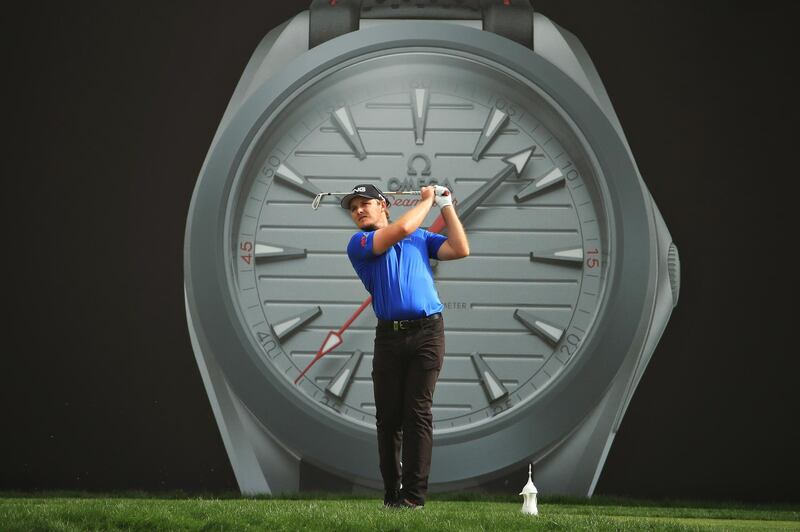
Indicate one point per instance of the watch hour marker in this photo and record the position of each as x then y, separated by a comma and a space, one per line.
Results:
491, 384
344, 121
494, 122
419, 110
268, 251
288, 175
288, 326
571, 255
341, 381
551, 178
546, 330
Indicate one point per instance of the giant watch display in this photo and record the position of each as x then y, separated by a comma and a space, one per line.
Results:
549, 323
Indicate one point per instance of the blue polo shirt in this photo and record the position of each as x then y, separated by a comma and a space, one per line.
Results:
400, 280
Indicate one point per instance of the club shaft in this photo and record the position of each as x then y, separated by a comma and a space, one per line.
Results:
398, 193
318, 198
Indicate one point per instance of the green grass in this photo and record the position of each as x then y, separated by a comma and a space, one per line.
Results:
178, 511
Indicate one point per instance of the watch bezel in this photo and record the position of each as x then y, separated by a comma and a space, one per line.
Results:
566, 402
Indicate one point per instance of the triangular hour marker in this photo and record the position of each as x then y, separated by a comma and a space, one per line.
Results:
494, 123
341, 381
536, 325
551, 178
419, 110
492, 386
289, 175
573, 256
343, 119
270, 251
287, 326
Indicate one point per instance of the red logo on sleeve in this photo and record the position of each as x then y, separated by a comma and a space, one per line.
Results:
363, 241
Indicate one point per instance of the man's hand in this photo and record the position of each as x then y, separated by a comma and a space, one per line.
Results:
443, 197
428, 193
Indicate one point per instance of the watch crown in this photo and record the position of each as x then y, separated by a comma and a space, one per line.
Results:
674, 268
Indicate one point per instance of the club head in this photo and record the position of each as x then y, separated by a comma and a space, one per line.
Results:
316, 202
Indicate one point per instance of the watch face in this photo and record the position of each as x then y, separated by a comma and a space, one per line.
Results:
518, 311
539, 319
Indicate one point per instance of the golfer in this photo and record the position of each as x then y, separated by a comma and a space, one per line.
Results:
392, 259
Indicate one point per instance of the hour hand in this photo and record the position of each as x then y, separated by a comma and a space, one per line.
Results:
515, 163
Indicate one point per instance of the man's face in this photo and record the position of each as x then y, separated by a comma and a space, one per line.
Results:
368, 214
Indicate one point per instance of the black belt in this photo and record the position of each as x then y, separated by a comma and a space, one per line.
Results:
403, 325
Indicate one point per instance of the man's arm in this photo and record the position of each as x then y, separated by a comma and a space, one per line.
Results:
396, 231
457, 245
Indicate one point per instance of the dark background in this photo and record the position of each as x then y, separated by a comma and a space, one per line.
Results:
110, 107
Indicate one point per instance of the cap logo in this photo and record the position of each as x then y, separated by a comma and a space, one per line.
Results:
360, 189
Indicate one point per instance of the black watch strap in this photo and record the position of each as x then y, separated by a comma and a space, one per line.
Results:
513, 19
431, 10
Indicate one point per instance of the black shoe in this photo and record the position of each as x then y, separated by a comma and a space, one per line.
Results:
390, 498
411, 505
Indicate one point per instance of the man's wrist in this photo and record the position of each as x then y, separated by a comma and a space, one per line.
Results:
442, 197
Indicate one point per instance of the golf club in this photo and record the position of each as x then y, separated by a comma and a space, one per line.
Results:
318, 198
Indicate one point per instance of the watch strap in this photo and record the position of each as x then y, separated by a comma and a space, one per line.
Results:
512, 19
331, 18
428, 10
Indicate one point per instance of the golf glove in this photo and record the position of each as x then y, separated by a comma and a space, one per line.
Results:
442, 196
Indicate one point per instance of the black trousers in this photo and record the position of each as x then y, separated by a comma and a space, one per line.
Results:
405, 367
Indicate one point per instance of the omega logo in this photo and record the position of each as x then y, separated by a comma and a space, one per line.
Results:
413, 181
425, 171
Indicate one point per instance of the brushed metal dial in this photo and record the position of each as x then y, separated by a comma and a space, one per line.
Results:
516, 311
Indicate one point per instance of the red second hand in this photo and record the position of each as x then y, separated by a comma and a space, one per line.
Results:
327, 346
435, 227
438, 223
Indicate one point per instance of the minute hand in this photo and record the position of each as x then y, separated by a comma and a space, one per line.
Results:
514, 165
